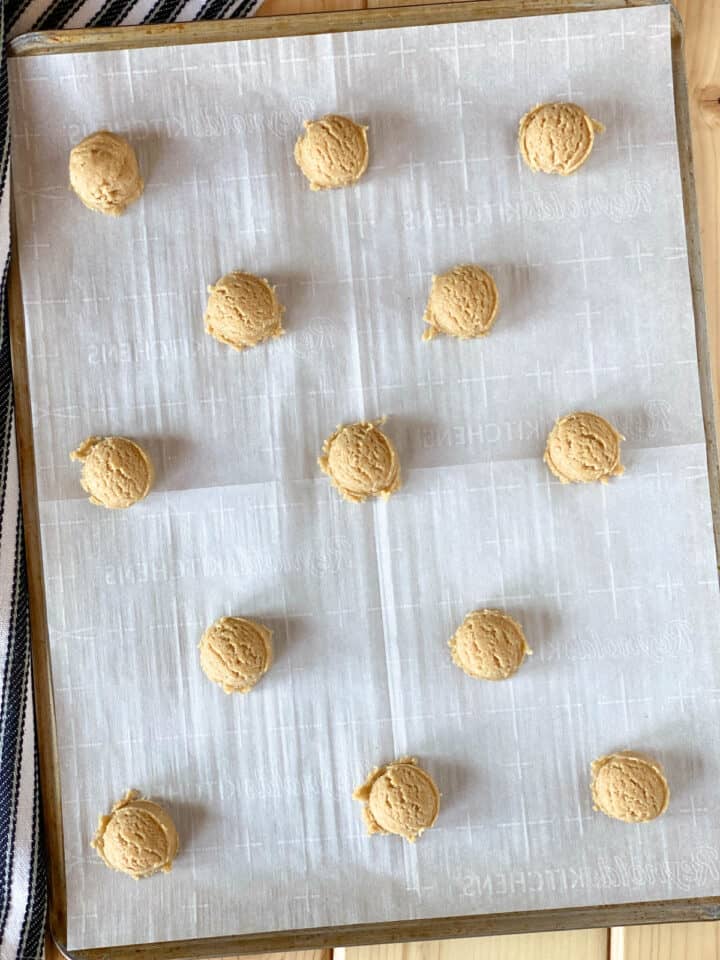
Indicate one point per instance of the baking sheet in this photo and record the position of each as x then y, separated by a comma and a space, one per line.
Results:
616, 585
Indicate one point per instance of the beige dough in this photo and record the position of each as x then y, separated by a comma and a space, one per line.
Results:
629, 786
582, 448
104, 173
400, 798
116, 472
361, 461
557, 137
137, 837
463, 303
235, 653
333, 152
489, 645
243, 310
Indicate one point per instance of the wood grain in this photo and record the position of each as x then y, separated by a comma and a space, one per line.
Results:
52, 953
273, 8
576, 944
672, 941
296, 955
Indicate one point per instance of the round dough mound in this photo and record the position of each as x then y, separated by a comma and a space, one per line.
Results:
557, 137
243, 310
116, 472
333, 152
400, 798
489, 645
582, 448
361, 462
629, 786
235, 653
137, 837
104, 173
463, 303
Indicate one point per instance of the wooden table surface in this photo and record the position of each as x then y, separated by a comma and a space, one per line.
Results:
693, 941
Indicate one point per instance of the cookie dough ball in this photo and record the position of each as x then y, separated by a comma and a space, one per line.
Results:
400, 798
463, 303
235, 653
361, 462
104, 173
137, 837
333, 152
557, 137
629, 786
116, 472
583, 448
489, 645
243, 310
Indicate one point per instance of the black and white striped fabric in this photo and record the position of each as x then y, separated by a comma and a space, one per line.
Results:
23, 896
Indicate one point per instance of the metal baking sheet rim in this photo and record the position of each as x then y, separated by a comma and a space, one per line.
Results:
118, 38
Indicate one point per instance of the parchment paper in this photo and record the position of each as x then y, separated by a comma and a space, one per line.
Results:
616, 586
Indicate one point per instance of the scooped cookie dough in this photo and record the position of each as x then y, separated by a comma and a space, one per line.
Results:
463, 303
333, 152
629, 786
489, 645
400, 798
137, 837
557, 137
235, 653
243, 311
361, 461
104, 173
583, 448
116, 472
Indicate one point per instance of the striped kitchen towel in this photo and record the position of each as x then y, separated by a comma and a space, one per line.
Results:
23, 896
